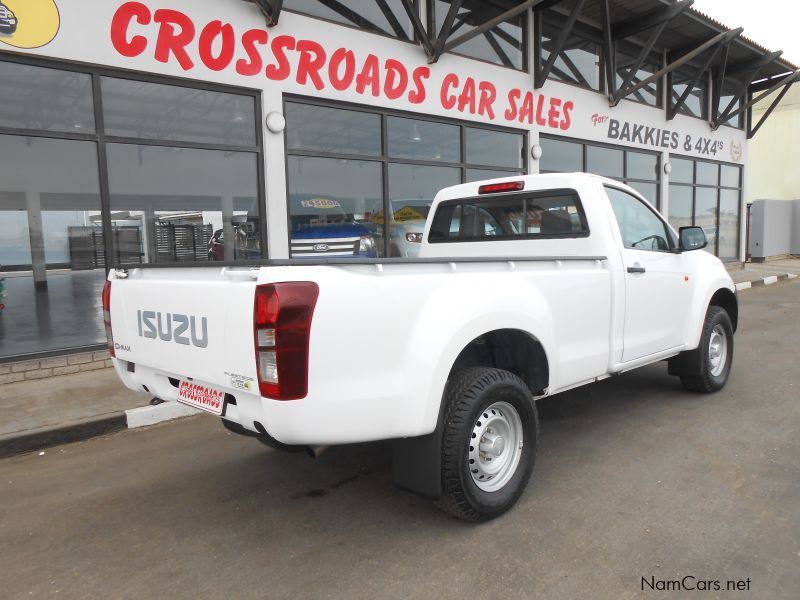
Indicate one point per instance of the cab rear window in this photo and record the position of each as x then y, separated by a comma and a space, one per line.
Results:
548, 214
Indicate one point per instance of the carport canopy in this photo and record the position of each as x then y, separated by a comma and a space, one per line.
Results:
669, 33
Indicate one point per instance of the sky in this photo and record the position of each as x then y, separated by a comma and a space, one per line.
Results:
775, 24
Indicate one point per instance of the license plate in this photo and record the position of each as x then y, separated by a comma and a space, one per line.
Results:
201, 396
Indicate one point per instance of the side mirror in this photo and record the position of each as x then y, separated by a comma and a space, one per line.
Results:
692, 238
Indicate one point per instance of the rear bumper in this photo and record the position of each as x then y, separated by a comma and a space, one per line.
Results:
310, 421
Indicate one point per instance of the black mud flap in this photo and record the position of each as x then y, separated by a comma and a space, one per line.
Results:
417, 464
687, 363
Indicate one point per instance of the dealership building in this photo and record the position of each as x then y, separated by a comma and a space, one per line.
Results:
182, 133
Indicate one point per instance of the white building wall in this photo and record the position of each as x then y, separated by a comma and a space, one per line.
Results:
773, 172
125, 35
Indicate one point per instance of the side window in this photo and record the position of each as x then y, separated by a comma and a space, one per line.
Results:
639, 225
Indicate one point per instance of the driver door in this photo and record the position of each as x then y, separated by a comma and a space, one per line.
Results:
657, 286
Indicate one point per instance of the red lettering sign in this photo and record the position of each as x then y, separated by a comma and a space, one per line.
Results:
172, 37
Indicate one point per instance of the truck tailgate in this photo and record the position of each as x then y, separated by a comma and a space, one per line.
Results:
187, 323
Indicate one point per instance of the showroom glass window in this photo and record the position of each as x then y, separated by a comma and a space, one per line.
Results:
578, 62
384, 17
707, 195
730, 97
627, 56
100, 169
696, 102
361, 181
638, 169
505, 44
182, 172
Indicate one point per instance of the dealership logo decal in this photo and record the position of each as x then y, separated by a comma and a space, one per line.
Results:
172, 327
28, 23
736, 151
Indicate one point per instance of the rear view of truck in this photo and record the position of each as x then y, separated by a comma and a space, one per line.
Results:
210, 338
521, 291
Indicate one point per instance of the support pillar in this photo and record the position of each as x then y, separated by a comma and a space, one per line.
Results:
227, 227
33, 201
149, 232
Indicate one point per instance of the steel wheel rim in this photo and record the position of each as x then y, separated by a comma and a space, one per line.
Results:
495, 446
717, 350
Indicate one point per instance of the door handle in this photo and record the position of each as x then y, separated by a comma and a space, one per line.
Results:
251, 273
637, 270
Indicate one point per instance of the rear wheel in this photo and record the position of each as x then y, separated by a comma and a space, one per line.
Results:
489, 443
706, 369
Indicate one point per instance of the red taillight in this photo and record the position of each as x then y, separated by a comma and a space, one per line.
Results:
107, 317
506, 186
281, 329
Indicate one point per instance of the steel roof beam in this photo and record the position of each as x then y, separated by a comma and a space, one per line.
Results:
655, 18
541, 74
657, 21
498, 49
419, 28
672, 109
762, 84
643, 54
757, 63
751, 131
718, 83
755, 67
271, 10
494, 22
610, 61
721, 38
790, 79
577, 76
392, 20
446, 28
351, 15
741, 91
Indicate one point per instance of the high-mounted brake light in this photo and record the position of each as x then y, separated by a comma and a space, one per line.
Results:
506, 186
107, 317
282, 315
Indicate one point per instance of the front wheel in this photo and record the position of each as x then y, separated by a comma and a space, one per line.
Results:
489, 444
707, 368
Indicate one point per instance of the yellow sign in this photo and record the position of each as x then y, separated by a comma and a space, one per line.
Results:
404, 214
408, 214
28, 23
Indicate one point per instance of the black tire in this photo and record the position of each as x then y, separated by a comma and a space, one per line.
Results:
469, 393
697, 373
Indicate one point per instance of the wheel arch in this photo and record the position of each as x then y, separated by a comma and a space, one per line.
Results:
726, 299
512, 350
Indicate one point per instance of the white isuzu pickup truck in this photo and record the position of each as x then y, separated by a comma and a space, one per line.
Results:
525, 287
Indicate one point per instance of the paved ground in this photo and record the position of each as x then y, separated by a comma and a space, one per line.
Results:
754, 271
62, 402
635, 478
